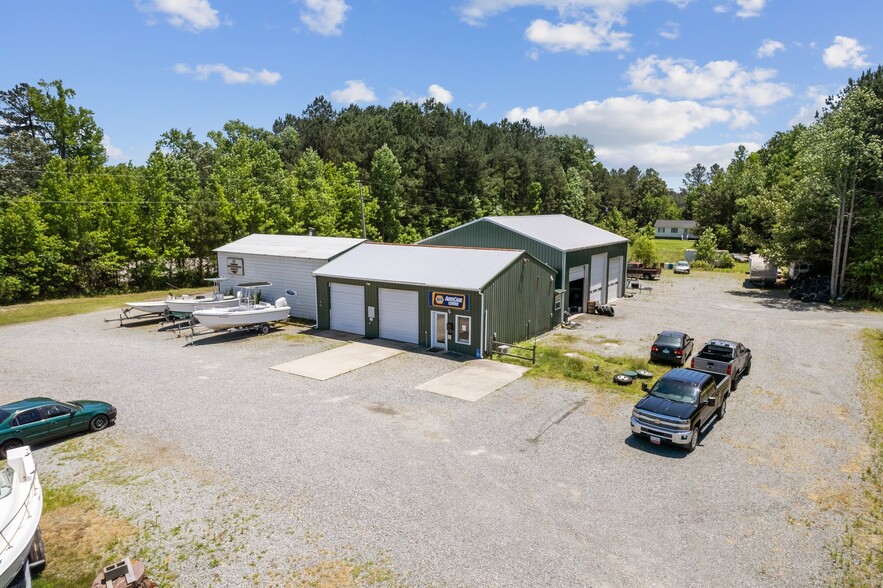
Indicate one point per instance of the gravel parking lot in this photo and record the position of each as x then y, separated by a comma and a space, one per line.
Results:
244, 475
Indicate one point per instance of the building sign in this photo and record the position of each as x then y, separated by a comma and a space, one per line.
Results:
448, 300
235, 266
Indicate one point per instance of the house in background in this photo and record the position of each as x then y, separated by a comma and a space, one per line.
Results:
676, 229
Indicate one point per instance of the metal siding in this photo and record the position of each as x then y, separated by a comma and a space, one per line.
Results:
284, 273
614, 283
491, 235
521, 302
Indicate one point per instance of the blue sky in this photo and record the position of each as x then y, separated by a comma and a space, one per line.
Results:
655, 83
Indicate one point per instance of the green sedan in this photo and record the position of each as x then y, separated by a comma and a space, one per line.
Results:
35, 420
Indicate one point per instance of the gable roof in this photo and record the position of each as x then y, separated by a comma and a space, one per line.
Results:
467, 268
556, 230
675, 224
299, 246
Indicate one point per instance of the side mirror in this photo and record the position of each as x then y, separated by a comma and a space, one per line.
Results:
645, 387
711, 401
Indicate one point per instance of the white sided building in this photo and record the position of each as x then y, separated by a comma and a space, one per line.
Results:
286, 261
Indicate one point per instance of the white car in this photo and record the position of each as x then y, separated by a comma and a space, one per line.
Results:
682, 267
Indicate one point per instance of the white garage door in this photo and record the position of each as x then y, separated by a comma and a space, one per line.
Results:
399, 312
596, 287
348, 308
614, 271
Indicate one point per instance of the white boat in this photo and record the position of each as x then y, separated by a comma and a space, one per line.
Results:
247, 313
183, 306
149, 307
21, 505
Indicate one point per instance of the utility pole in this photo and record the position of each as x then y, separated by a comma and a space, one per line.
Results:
362, 201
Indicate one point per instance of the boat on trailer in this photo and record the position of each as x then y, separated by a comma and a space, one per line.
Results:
21, 505
147, 307
183, 306
247, 313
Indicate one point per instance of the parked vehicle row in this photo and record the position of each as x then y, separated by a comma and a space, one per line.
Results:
683, 403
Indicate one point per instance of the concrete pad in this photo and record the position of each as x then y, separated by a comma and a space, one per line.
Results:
475, 380
340, 360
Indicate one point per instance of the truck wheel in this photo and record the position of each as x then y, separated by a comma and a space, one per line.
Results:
722, 410
747, 369
622, 379
735, 383
694, 440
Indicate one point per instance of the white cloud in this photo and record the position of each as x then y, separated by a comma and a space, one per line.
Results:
475, 12
324, 17
724, 82
440, 94
845, 52
671, 161
632, 120
193, 15
721, 8
769, 48
246, 75
817, 95
355, 91
580, 37
750, 8
671, 31
113, 153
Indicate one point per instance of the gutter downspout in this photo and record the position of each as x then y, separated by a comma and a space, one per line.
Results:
564, 277
482, 325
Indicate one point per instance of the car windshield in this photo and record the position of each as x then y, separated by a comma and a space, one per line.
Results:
672, 341
676, 391
4, 415
683, 264
6, 477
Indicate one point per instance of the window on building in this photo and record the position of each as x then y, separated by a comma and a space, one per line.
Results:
464, 330
558, 298
674, 229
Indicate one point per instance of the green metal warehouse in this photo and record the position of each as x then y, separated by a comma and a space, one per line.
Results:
448, 298
590, 262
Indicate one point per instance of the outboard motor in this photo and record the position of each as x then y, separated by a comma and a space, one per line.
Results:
281, 302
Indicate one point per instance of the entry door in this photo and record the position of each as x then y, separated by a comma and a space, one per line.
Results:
439, 330
614, 271
348, 308
399, 315
596, 284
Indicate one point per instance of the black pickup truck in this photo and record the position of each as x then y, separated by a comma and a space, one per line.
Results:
724, 357
681, 405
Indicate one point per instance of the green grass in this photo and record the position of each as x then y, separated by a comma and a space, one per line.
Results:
558, 359
859, 556
673, 251
38, 311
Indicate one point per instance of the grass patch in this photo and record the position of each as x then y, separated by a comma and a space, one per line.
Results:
858, 558
81, 537
674, 250
38, 311
560, 362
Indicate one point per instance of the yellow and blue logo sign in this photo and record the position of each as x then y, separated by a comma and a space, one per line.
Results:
448, 300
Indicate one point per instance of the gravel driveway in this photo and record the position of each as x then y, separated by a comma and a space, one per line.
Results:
245, 475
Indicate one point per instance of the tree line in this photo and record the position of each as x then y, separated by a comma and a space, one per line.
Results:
72, 224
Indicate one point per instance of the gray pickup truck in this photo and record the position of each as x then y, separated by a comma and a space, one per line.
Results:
724, 357
680, 406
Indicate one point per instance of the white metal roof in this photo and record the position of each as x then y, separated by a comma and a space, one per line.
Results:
558, 230
447, 267
301, 246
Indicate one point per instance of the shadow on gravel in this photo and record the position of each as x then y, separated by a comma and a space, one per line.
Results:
779, 299
664, 450
219, 337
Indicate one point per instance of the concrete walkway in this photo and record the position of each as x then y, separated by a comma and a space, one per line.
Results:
475, 380
337, 361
